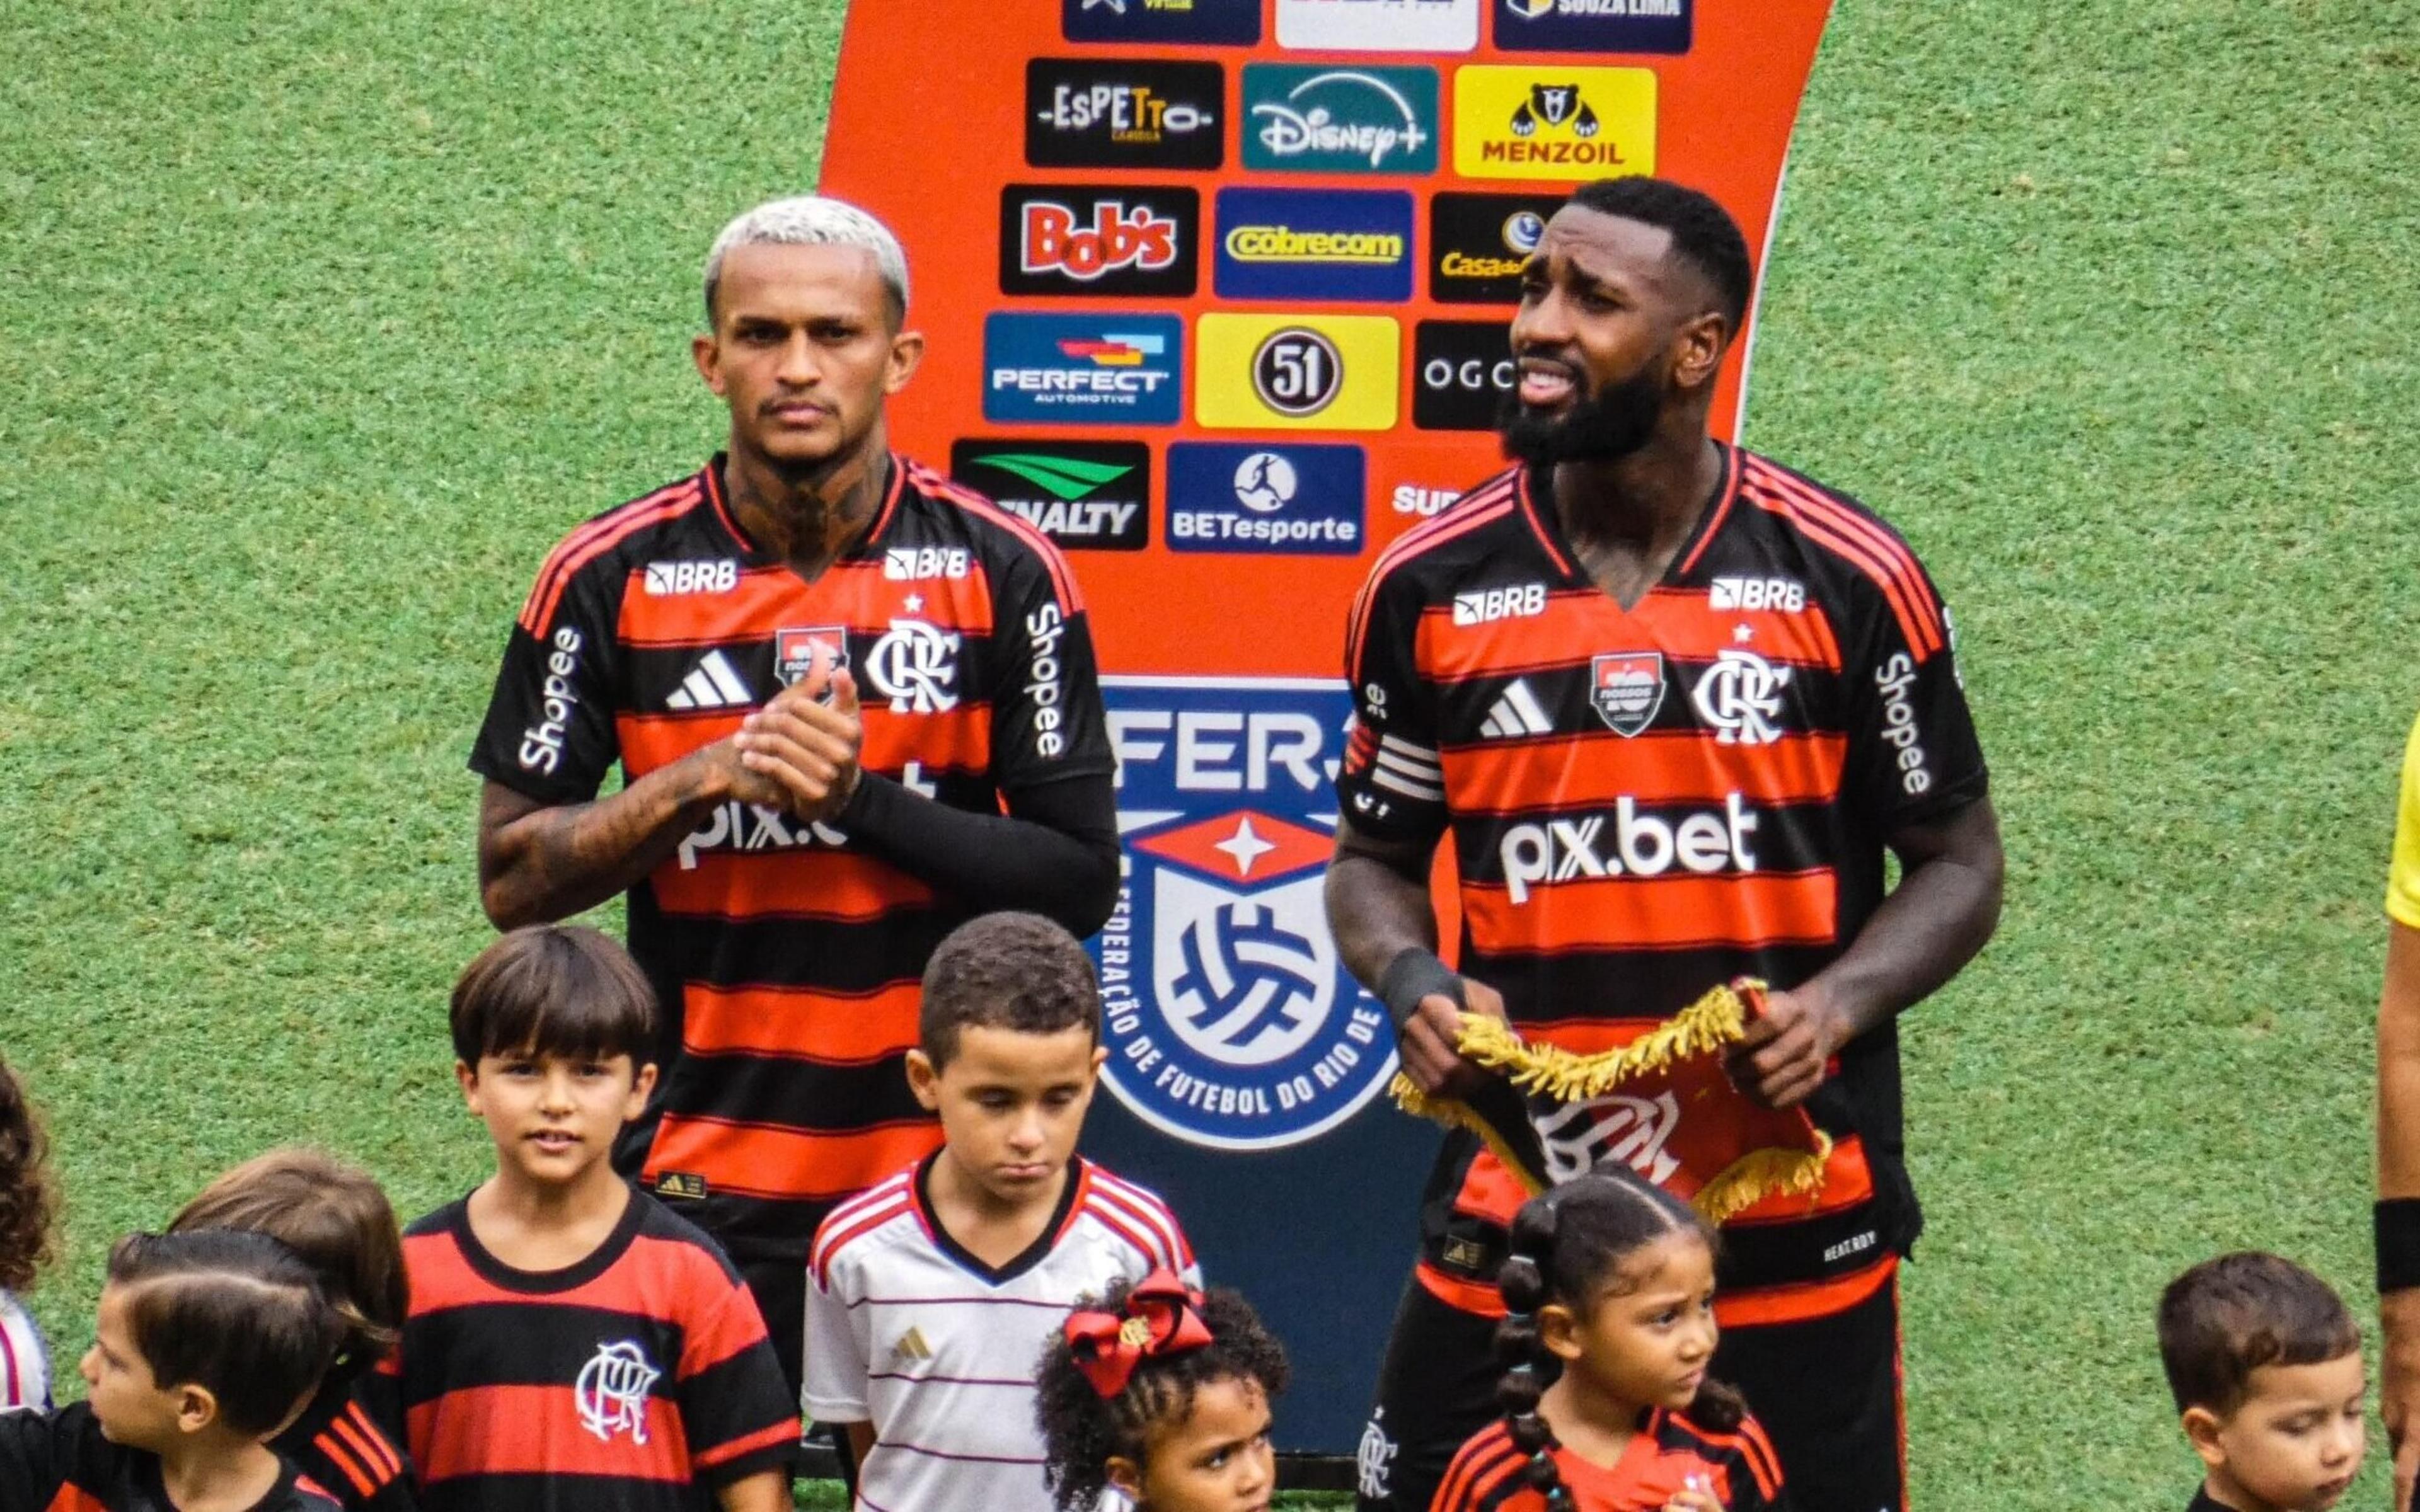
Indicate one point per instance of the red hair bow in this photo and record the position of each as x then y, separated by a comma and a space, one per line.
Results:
1159, 1318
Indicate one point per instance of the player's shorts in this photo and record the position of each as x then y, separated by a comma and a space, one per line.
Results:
780, 1287
1827, 1390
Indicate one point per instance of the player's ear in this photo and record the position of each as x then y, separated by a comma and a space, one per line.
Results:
197, 1408
925, 1080
705, 350
641, 1085
1126, 1476
467, 1075
2201, 1428
1698, 350
1100, 1059
1559, 1330
906, 354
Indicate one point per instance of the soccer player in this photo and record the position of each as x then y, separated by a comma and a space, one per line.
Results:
2398, 1140
570, 1343
826, 673
1674, 702
933, 1295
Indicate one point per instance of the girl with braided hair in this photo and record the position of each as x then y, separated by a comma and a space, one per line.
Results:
1162, 1391
1607, 1406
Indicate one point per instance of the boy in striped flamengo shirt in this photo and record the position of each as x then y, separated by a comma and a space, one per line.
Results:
930, 1298
570, 1343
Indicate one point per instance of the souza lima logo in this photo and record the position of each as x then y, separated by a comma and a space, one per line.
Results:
1592, 25
1231, 1022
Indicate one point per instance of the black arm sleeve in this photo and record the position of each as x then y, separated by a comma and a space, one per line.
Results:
1054, 852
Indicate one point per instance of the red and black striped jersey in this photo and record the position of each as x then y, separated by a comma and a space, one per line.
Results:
786, 958
1739, 1468
620, 1384
342, 1446
1647, 802
61, 1462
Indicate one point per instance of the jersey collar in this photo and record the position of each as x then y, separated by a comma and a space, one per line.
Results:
1538, 507
718, 492
1078, 1177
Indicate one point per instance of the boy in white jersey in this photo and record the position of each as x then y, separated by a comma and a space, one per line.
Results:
931, 1298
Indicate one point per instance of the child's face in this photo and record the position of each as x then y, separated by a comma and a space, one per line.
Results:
2296, 1441
1011, 1104
1646, 1337
553, 1118
1217, 1459
130, 1407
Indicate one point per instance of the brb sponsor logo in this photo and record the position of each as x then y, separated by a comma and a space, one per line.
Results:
1124, 113
1373, 26
1486, 606
671, 579
558, 700
1327, 372
1231, 1022
1254, 496
1628, 843
1235, 22
1478, 243
1592, 25
1301, 118
1463, 370
1058, 239
1315, 244
1782, 596
1560, 123
1092, 496
1082, 370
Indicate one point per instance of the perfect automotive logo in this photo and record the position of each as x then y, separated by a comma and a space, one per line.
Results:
1124, 113
1253, 496
1592, 25
1302, 118
1379, 25
1463, 370
1315, 244
1563, 124
1082, 369
1084, 495
1232, 23
1229, 1018
1057, 239
1478, 243
1327, 372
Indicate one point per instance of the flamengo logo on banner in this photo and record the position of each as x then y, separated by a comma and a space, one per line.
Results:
1379, 25
1627, 842
1060, 238
1308, 120
1561, 124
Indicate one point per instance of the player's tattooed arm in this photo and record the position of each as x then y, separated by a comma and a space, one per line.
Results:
1378, 908
1943, 909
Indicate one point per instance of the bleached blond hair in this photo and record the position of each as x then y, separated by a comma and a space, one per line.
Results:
813, 221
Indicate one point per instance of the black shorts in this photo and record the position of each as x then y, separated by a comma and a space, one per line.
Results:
780, 1287
1827, 1389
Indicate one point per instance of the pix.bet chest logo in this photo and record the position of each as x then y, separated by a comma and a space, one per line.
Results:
1060, 238
1231, 1019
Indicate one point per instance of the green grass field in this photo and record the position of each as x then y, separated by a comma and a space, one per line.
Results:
323, 321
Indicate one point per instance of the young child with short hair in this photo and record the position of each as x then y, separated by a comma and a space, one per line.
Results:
27, 1206
1610, 1287
208, 1344
1163, 1392
570, 1343
2264, 1360
930, 1296
338, 1220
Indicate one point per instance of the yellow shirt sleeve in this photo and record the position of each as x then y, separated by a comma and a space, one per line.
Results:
2403, 876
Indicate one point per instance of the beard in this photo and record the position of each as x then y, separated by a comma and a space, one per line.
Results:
1605, 426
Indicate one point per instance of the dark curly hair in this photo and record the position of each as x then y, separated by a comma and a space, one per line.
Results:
1082, 1431
28, 1201
1564, 1246
1008, 970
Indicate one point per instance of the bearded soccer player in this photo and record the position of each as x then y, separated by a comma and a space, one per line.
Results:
1674, 702
854, 705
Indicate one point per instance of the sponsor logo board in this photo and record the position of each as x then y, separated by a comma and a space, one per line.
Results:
1261, 497
1461, 372
1081, 370
1325, 372
1061, 238
1231, 1020
1479, 243
1314, 245
1308, 118
1231, 22
1593, 26
1124, 113
1086, 495
1568, 124
1379, 25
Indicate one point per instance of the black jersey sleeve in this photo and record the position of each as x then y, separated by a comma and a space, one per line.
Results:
549, 734
1047, 721
1914, 755
1391, 784
36, 1456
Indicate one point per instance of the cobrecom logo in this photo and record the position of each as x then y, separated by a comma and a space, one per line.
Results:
1235, 23
1315, 244
1560, 123
1124, 113
1084, 495
1059, 239
1082, 370
1231, 1020
1259, 497
1379, 25
1592, 25
1308, 120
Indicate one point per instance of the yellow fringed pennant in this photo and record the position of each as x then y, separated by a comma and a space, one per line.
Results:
1719, 1019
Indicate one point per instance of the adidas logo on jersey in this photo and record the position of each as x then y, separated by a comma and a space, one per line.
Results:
665, 579
1516, 713
1486, 605
912, 1346
1781, 595
710, 684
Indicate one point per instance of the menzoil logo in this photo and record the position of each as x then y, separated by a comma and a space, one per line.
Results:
1553, 123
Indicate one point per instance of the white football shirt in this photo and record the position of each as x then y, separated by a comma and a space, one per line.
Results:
908, 1331
24, 1363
